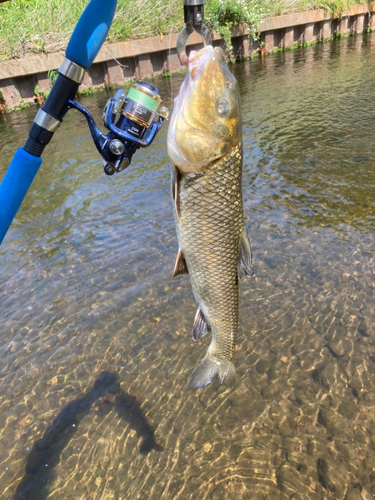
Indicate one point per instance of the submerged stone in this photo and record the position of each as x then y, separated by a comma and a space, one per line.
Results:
341, 347
353, 494
330, 478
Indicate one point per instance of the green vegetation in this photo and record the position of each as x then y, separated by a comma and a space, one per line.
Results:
38, 90
336, 7
21, 105
3, 107
32, 26
52, 76
92, 90
222, 15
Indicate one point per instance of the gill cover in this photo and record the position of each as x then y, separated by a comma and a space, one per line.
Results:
206, 120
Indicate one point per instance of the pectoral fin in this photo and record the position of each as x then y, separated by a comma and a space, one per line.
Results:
200, 326
245, 267
180, 267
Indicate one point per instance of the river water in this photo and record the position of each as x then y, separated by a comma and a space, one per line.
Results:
95, 348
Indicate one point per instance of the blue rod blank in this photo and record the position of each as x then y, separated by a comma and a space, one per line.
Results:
90, 32
16, 182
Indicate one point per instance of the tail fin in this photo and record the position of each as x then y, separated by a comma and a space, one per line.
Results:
209, 369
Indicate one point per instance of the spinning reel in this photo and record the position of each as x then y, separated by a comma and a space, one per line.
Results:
133, 121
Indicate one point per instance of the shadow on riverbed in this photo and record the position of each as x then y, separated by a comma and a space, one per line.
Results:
45, 453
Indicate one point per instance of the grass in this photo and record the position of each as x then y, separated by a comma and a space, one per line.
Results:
33, 26
336, 7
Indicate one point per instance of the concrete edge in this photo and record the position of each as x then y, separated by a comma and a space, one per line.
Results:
49, 62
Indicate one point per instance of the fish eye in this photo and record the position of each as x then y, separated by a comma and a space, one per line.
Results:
222, 107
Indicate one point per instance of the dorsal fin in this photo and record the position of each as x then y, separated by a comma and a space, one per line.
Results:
180, 267
200, 325
245, 267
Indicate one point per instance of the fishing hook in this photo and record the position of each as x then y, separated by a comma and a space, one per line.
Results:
194, 16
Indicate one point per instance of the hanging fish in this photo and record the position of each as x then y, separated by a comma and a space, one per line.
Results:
205, 146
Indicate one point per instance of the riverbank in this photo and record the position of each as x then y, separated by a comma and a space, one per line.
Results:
26, 80
28, 27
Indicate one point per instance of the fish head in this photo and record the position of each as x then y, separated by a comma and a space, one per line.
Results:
206, 120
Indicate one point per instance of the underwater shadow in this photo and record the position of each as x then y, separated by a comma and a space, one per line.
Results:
45, 453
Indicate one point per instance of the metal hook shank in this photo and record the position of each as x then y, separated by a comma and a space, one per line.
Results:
183, 36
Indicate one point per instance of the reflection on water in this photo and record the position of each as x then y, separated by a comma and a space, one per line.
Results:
86, 288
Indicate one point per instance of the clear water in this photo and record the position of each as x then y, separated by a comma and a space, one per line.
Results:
95, 335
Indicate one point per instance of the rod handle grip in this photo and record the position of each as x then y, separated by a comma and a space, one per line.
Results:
14, 186
90, 32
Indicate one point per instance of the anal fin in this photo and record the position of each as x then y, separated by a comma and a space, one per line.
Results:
180, 266
200, 325
245, 267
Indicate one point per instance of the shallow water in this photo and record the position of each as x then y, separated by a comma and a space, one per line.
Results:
95, 335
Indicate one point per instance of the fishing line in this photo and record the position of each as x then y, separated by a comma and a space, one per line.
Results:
216, 20
169, 53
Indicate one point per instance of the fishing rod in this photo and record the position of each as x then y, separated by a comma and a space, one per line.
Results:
133, 120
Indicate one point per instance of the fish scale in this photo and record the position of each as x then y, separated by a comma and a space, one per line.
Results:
209, 227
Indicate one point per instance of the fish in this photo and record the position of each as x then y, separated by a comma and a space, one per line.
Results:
205, 145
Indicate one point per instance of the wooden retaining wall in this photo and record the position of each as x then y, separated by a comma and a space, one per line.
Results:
119, 62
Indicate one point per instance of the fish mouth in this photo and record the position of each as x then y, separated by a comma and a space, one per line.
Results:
199, 59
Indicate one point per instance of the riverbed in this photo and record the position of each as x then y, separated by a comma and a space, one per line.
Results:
96, 335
